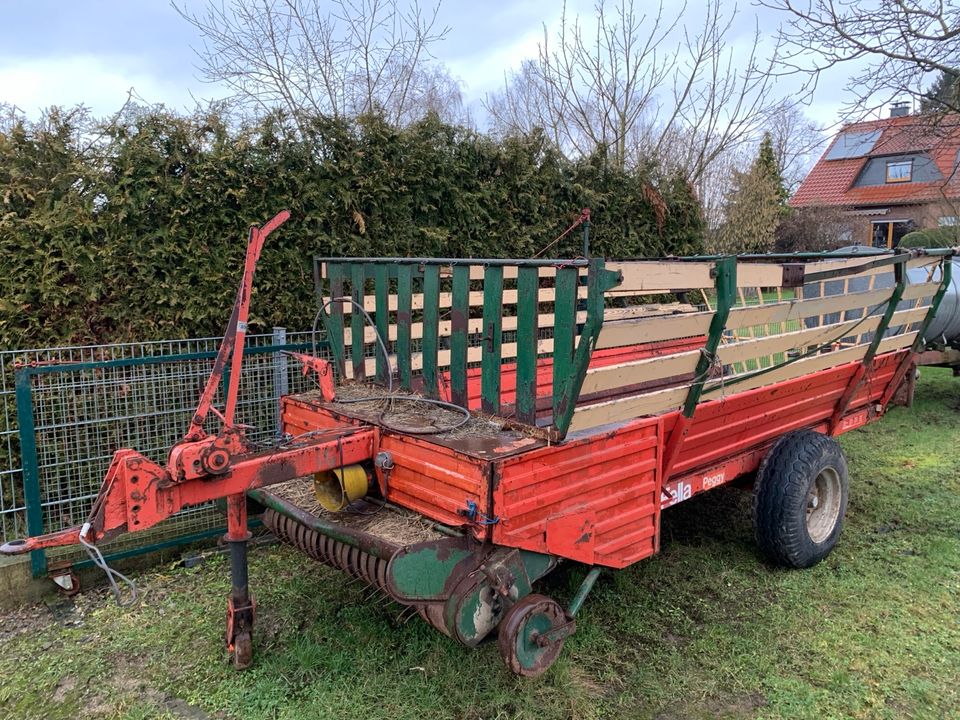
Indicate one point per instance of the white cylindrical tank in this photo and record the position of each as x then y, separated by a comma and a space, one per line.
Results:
945, 327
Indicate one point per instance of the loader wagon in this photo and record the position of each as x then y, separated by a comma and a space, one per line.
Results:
479, 422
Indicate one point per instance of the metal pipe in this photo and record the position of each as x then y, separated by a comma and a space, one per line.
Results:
585, 587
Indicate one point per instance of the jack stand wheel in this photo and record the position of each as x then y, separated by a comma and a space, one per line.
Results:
531, 635
243, 650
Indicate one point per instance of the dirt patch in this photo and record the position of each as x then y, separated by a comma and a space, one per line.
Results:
128, 680
67, 684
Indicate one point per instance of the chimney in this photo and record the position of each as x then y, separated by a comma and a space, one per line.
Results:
900, 108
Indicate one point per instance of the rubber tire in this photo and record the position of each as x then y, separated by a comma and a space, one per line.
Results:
780, 494
512, 635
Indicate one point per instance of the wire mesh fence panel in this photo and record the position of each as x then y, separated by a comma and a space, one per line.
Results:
88, 402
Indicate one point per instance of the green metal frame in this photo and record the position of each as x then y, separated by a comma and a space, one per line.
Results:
26, 424
570, 358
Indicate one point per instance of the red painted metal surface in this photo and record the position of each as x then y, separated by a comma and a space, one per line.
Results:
599, 359
609, 481
434, 480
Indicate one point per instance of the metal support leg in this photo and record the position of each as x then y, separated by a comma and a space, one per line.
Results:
240, 604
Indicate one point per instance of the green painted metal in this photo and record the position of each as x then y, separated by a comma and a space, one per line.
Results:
528, 288
162, 545
459, 328
31, 467
570, 379
333, 318
492, 340
564, 330
382, 318
357, 282
900, 279
404, 323
431, 328
585, 587
423, 571
485, 262
726, 286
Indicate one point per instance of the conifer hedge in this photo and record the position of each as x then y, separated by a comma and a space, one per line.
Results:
136, 230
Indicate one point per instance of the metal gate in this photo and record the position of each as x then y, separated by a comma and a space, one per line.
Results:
66, 410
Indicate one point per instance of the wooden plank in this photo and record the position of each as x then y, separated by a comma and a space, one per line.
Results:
653, 329
590, 416
772, 344
402, 330
357, 281
639, 371
564, 329
796, 310
527, 330
661, 275
492, 340
811, 365
431, 321
459, 326
382, 317
445, 299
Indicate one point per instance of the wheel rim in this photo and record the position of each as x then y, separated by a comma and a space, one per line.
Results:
524, 623
823, 505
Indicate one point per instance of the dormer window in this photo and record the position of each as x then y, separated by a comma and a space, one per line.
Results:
899, 171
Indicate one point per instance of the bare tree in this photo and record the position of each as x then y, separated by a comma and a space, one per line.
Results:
641, 86
358, 57
797, 142
893, 45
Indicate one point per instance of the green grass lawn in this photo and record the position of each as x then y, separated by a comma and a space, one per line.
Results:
704, 630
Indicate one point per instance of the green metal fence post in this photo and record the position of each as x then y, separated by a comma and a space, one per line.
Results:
404, 323
459, 328
431, 328
31, 466
528, 289
492, 340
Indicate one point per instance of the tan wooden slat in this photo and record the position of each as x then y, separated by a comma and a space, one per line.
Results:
590, 416
662, 275
773, 344
795, 310
920, 290
639, 371
545, 295
812, 365
653, 329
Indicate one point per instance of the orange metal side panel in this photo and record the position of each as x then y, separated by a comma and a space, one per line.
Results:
435, 481
431, 479
593, 499
722, 428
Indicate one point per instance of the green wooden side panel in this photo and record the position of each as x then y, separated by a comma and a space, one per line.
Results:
382, 291
333, 317
492, 340
431, 328
357, 280
404, 322
459, 324
528, 282
599, 280
564, 331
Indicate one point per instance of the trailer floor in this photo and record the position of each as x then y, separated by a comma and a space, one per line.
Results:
703, 630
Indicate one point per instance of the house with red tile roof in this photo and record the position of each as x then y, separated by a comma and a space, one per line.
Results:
889, 176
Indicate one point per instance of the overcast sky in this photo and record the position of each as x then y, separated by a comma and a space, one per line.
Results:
65, 52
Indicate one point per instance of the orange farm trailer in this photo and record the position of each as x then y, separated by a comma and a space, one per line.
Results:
519, 414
